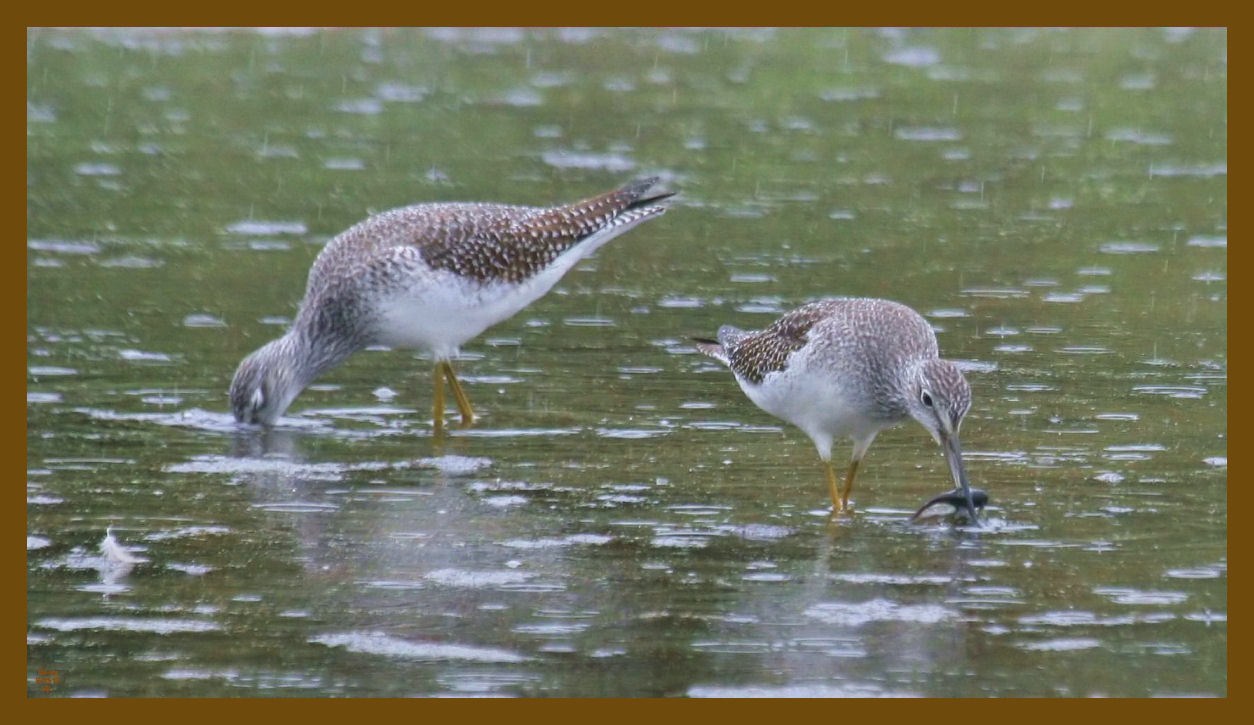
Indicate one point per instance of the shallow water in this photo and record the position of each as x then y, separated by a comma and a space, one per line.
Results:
621, 521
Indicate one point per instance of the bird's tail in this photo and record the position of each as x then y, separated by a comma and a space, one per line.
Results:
617, 210
635, 200
712, 348
640, 193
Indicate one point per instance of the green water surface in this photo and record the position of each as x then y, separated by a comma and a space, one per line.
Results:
622, 521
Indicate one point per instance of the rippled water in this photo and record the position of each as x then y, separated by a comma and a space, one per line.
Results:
621, 521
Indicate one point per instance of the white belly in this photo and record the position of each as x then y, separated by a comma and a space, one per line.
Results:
440, 311
816, 404
444, 311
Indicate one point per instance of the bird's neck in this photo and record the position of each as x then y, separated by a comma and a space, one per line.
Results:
901, 391
326, 332
307, 355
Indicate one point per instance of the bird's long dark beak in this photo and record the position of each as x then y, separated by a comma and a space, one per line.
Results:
953, 455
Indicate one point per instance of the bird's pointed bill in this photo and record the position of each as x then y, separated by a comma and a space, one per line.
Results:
953, 455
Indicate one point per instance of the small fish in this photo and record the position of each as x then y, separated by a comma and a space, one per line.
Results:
115, 553
951, 503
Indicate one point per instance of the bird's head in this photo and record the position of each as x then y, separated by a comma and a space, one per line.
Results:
940, 398
265, 384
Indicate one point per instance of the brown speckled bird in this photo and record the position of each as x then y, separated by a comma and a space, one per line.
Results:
850, 367
430, 277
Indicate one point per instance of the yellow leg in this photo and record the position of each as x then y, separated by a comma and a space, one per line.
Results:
437, 412
463, 403
841, 502
844, 496
831, 485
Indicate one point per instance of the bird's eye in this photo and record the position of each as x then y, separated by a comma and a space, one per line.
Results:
926, 398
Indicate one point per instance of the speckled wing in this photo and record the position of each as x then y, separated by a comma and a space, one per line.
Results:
753, 355
502, 243
484, 242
